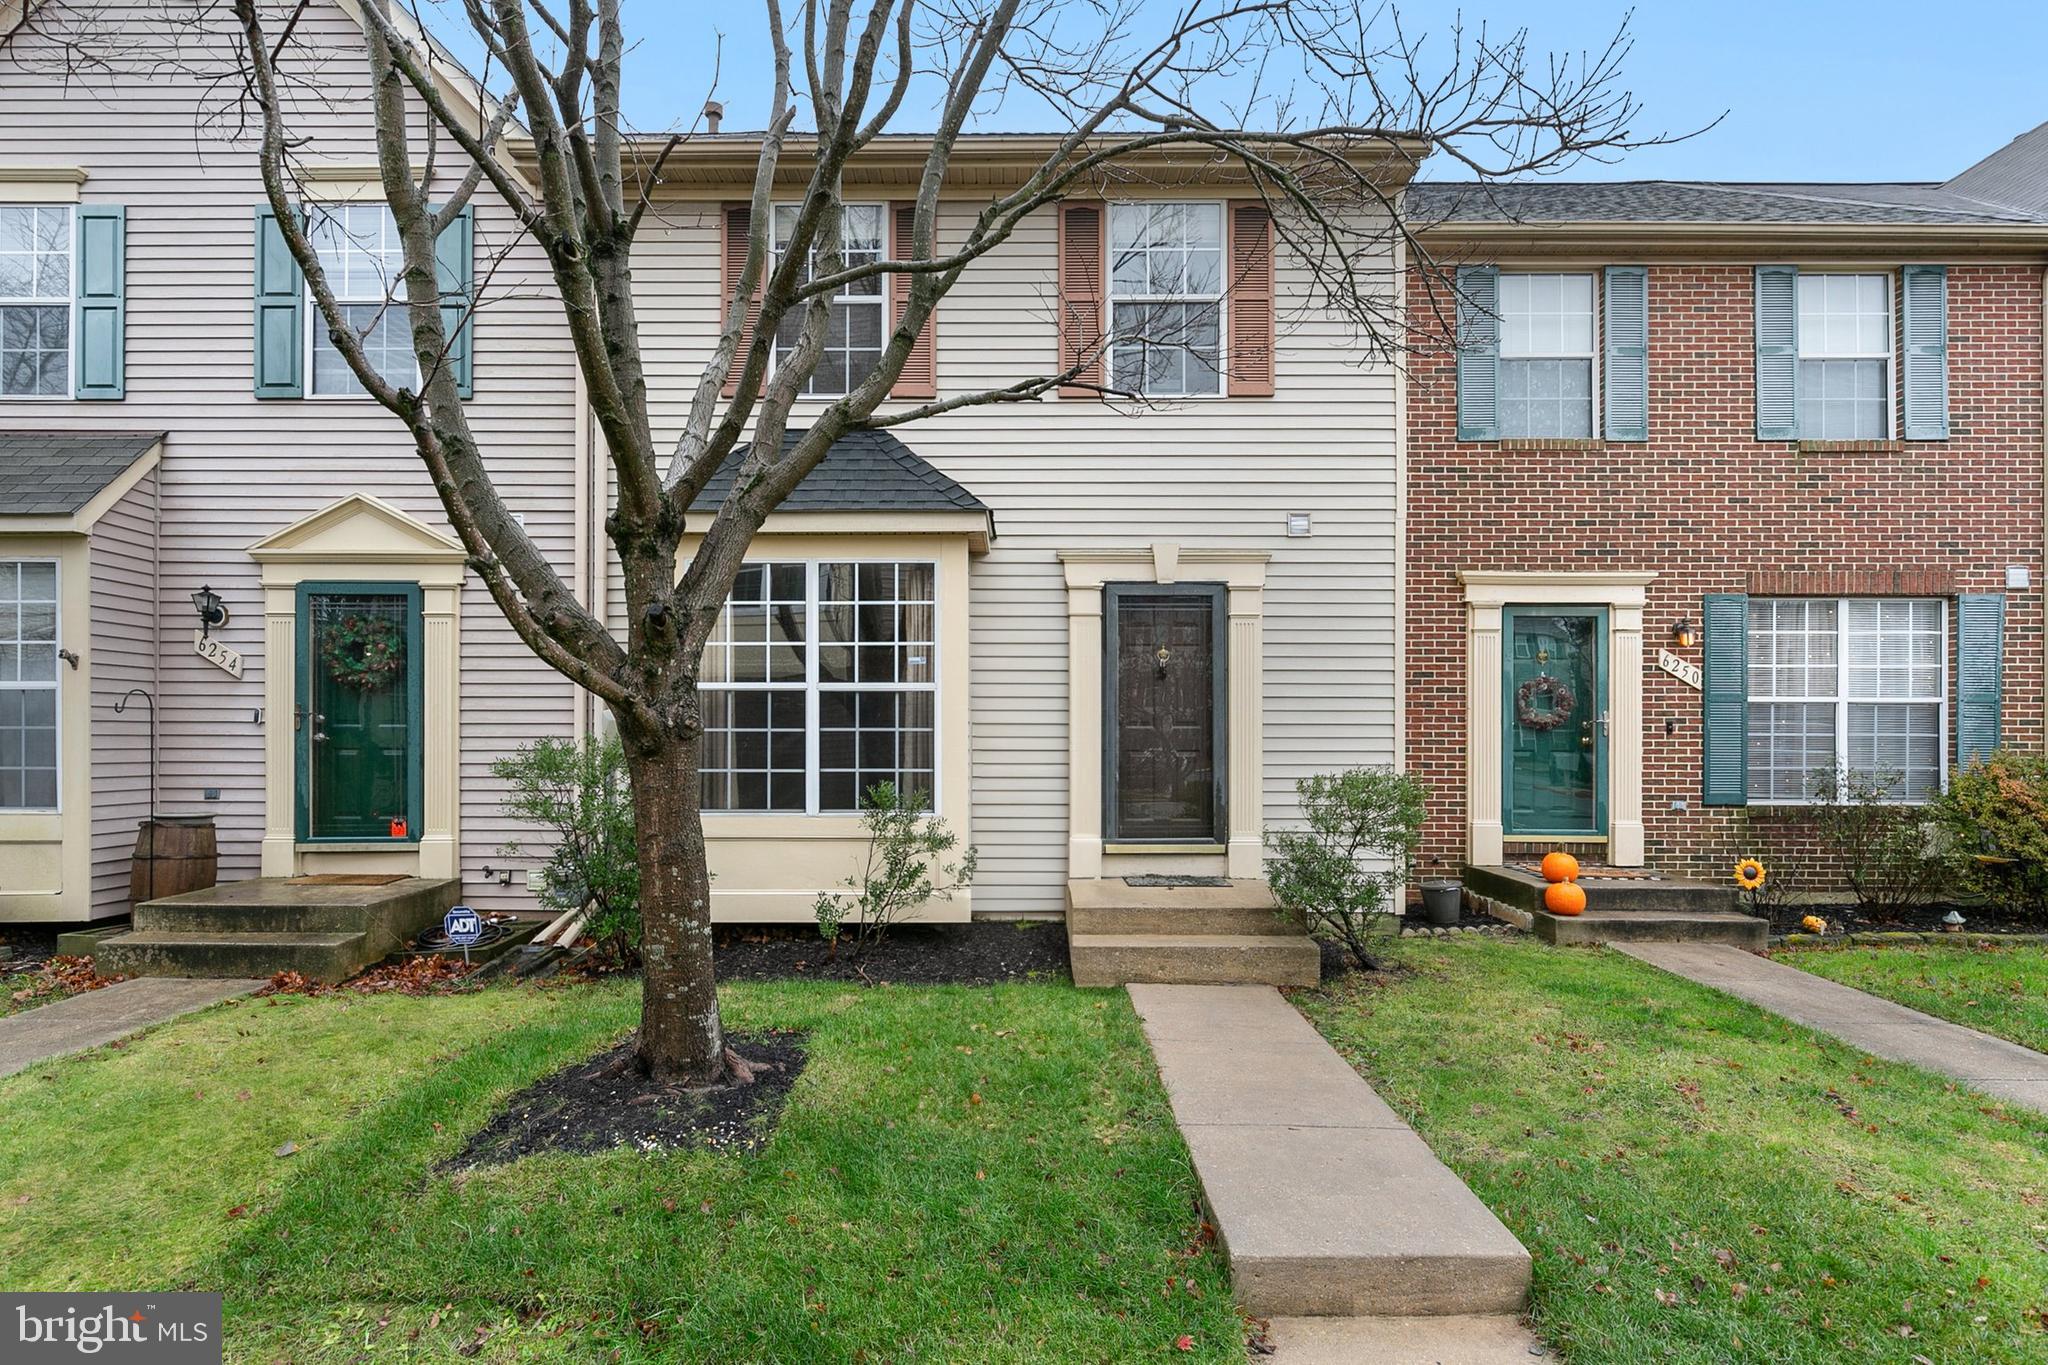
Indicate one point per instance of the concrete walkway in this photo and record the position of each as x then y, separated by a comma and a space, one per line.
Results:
101, 1016
1880, 1027
1324, 1200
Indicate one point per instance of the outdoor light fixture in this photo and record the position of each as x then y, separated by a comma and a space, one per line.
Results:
212, 611
1682, 634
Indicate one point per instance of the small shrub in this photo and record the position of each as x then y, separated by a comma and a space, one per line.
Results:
1995, 816
1341, 872
905, 868
581, 794
1881, 845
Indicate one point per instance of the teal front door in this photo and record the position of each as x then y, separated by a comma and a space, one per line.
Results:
1554, 748
359, 712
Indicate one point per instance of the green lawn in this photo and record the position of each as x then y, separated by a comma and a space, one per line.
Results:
1998, 988
1700, 1181
961, 1175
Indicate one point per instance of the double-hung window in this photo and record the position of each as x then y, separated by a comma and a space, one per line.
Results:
1853, 687
28, 684
1166, 299
820, 682
1547, 340
1845, 356
359, 250
35, 300
855, 330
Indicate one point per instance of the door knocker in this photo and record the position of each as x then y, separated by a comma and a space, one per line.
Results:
1162, 657
1558, 698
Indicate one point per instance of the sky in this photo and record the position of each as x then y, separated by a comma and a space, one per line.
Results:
1837, 90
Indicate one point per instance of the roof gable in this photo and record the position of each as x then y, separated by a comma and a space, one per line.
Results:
363, 529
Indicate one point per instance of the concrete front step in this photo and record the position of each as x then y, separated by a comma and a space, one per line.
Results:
1252, 920
1325, 1202
1194, 959
319, 956
1652, 926
1523, 890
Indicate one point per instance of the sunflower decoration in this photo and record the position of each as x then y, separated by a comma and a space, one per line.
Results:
1750, 874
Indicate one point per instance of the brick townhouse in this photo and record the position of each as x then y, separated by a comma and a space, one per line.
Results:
1717, 486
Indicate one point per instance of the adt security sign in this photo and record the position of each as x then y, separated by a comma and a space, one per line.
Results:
463, 926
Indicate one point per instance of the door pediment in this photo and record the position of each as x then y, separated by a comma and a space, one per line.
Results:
354, 531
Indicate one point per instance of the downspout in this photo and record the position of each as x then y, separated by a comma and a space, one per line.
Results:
580, 574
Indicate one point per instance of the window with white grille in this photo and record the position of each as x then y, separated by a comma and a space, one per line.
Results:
28, 684
1166, 299
1845, 349
35, 300
1547, 339
360, 252
854, 331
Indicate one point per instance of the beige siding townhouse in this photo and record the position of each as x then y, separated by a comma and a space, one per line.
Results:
1105, 637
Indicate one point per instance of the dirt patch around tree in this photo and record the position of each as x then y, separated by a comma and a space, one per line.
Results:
605, 1102
984, 953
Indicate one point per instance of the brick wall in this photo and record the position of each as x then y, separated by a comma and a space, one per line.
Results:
1709, 508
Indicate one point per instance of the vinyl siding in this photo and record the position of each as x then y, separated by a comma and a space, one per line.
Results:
161, 137
123, 655
1075, 475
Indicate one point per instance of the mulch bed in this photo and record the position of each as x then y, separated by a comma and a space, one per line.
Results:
27, 947
1926, 919
984, 953
604, 1102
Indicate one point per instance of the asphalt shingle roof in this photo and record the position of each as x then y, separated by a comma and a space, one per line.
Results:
1676, 201
45, 473
864, 471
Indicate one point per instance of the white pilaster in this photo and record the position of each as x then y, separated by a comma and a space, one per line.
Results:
1246, 852
1482, 735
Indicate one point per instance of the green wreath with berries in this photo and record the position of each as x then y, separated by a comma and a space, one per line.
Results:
363, 652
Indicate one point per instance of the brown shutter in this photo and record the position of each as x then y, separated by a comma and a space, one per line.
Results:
735, 224
919, 377
1251, 301
1081, 252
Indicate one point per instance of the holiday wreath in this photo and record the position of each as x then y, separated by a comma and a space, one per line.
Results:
363, 652
1543, 685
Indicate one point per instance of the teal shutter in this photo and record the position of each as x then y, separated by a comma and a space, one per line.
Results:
1777, 353
280, 333
454, 264
1980, 670
1478, 352
1926, 386
1724, 687
99, 350
1628, 353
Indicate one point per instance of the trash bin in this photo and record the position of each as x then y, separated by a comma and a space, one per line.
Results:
1441, 901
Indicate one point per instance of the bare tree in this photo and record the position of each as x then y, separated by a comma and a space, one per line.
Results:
1132, 87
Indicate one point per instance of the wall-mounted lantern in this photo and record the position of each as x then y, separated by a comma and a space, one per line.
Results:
1682, 634
212, 611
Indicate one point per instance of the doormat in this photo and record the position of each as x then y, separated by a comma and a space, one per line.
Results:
1598, 872
348, 879
1176, 881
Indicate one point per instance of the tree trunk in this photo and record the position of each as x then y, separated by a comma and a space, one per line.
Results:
681, 1036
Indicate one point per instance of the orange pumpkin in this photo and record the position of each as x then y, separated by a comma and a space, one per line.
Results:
1564, 898
1560, 867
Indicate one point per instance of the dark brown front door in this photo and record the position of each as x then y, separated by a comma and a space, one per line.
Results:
1164, 733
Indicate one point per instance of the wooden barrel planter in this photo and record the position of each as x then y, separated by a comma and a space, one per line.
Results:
173, 854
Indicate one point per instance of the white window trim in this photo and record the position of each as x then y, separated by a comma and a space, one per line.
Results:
811, 688
883, 299
315, 325
55, 687
1110, 298
70, 304
1842, 700
1892, 297
1595, 427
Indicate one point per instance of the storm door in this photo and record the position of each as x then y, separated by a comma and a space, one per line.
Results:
359, 695
1555, 720
1164, 723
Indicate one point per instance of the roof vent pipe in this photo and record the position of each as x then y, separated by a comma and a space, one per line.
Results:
713, 112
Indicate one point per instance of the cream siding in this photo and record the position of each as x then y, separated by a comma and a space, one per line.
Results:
1079, 475
123, 654
160, 138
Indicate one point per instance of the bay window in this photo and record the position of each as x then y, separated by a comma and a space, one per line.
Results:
28, 684
854, 330
35, 300
1166, 299
819, 682
360, 252
1547, 338
1845, 348
1856, 687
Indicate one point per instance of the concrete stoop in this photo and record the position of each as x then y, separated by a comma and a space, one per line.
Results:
1624, 908
1186, 935
266, 925
1325, 1202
